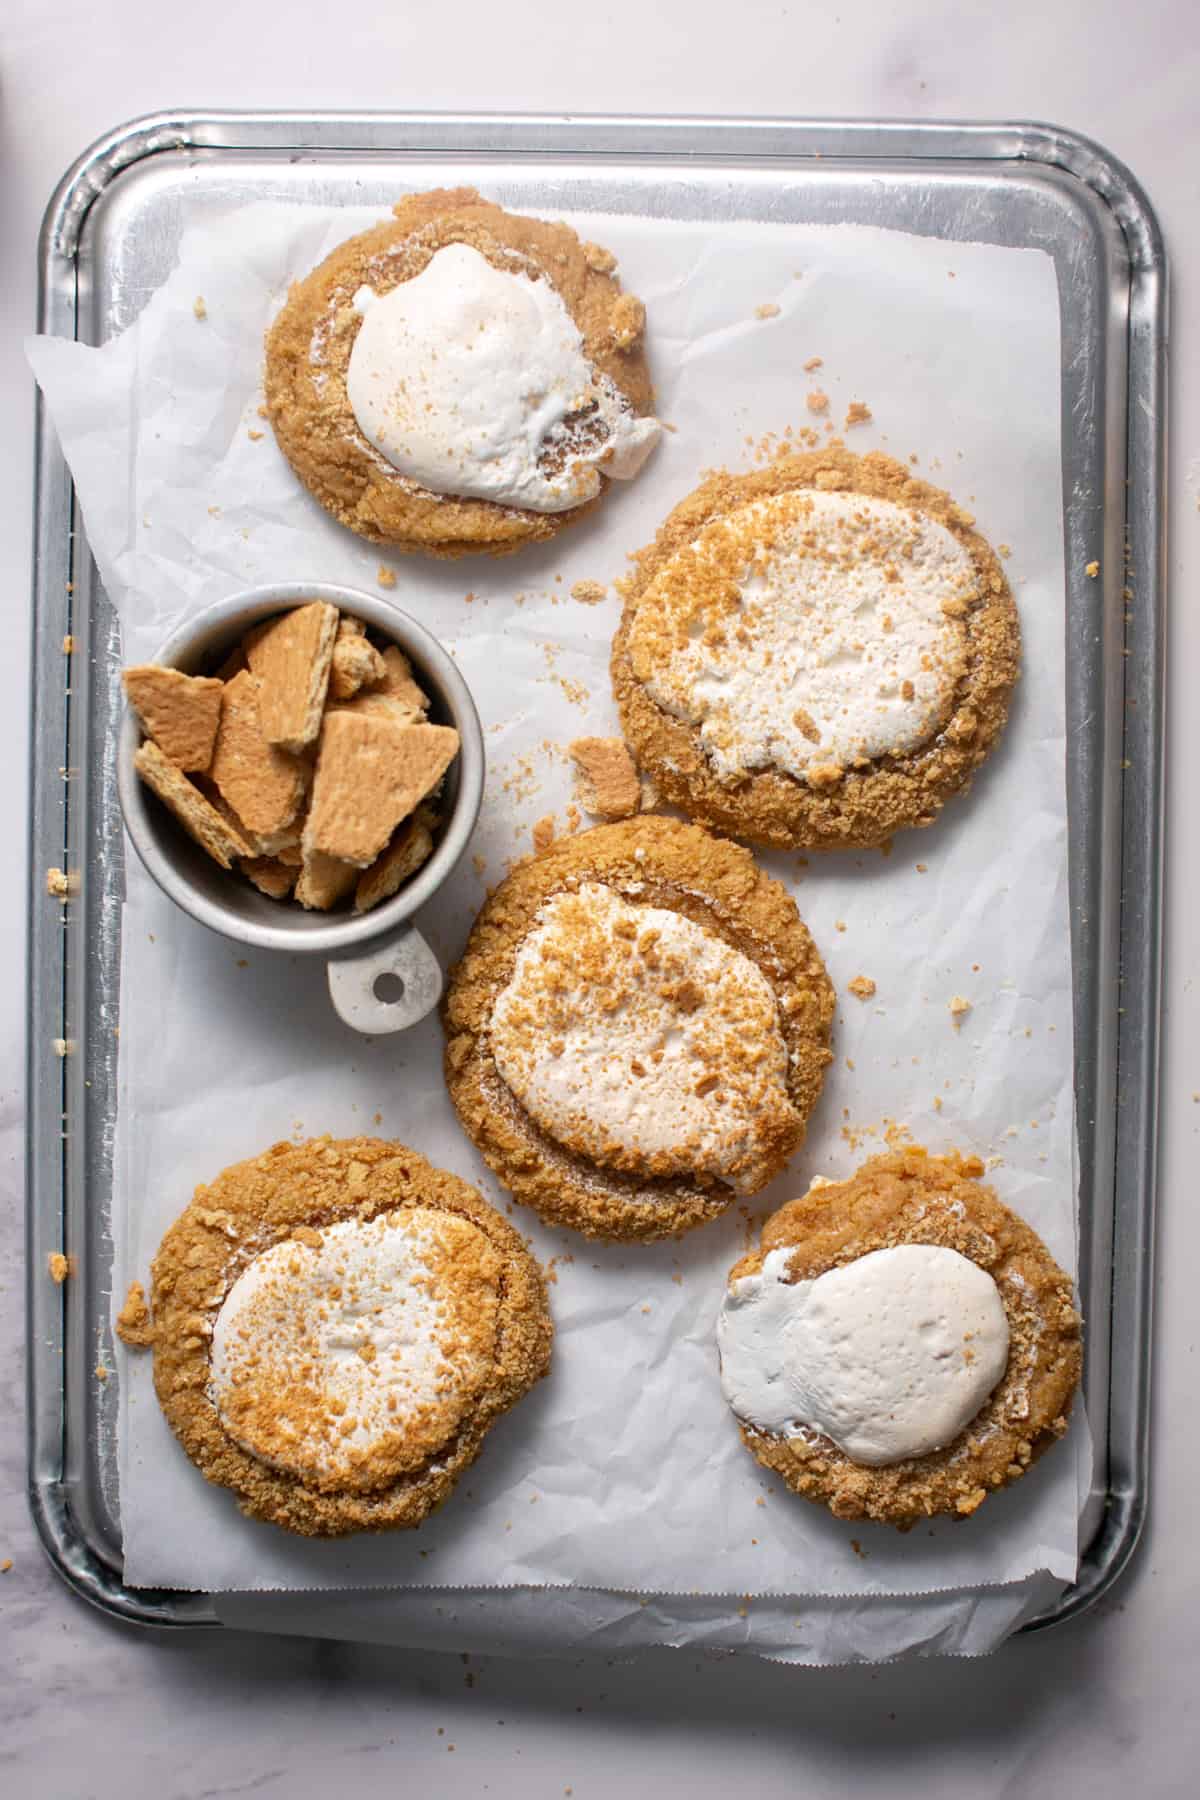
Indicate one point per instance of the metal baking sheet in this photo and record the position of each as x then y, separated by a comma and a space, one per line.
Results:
110, 237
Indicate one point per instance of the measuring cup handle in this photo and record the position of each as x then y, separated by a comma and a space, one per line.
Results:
405, 959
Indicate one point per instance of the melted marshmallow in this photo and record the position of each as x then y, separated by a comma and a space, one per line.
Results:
828, 646
644, 1042
467, 379
322, 1355
891, 1355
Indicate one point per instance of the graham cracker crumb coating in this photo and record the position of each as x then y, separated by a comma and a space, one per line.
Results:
843, 808
289, 1190
649, 861
911, 1197
311, 413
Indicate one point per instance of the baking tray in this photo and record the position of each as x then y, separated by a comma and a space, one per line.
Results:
110, 237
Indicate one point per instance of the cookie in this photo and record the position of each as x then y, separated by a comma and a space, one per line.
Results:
335, 1327
816, 655
460, 379
901, 1344
638, 1029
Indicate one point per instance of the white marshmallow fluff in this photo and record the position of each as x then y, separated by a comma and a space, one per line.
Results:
356, 1323
890, 1356
632, 1034
467, 379
837, 647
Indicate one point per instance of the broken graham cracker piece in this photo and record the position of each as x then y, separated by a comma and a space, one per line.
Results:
262, 783
409, 849
324, 880
608, 779
270, 876
384, 706
220, 837
291, 657
397, 681
355, 663
372, 772
180, 712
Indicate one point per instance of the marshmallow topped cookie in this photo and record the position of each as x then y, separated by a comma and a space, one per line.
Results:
901, 1344
335, 1326
638, 1029
461, 378
815, 655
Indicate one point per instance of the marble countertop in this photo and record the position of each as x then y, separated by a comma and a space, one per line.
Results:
1101, 1707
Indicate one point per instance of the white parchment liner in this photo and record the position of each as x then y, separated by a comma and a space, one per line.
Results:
624, 1469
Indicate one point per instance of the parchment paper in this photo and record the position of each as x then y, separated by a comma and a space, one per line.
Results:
624, 1469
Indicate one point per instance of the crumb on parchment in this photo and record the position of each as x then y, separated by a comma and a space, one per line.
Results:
817, 401
609, 787
543, 833
862, 987
588, 593
768, 310
857, 413
959, 1008
199, 308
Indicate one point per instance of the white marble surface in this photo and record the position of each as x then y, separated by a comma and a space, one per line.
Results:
1102, 1707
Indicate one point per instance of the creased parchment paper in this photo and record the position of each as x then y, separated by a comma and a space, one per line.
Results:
624, 1469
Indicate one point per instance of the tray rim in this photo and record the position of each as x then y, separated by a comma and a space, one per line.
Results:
638, 138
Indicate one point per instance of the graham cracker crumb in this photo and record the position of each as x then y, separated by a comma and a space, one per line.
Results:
58, 1266
959, 1008
385, 577
627, 321
857, 413
58, 884
134, 1325
862, 987
817, 401
768, 310
813, 363
6, 1565
599, 259
68, 644
1091, 570
588, 593
198, 307
255, 437
543, 834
